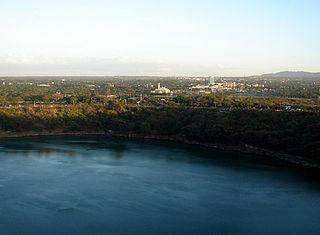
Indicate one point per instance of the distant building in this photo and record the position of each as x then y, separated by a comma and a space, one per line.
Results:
257, 85
107, 96
211, 80
200, 87
227, 84
161, 90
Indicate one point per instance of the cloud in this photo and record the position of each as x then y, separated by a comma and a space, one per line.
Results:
28, 66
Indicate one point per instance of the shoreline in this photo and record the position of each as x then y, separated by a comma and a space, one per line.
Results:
293, 159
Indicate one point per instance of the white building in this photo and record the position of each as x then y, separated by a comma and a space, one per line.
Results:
227, 84
161, 90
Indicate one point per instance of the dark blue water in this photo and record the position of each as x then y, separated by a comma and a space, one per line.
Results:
96, 185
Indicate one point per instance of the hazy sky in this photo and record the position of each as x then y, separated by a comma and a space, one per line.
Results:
177, 37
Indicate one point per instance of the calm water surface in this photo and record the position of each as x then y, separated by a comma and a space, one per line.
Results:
97, 185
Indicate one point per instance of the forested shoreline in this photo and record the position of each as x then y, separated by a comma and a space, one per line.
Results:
294, 133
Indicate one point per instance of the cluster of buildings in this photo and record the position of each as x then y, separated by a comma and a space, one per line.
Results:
211, 86
214, 86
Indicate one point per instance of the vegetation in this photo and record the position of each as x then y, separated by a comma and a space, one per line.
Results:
281, 115
291, 132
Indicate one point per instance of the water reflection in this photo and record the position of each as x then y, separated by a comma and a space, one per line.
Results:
96, 185
46, 148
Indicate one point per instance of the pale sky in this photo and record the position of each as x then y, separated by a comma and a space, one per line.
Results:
147, 37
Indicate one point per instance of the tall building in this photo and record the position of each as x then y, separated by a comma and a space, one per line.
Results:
161, 90
211, 80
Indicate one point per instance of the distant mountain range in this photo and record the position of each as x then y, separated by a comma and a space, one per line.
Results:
292, 74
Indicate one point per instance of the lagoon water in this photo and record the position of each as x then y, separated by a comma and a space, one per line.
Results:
99, 185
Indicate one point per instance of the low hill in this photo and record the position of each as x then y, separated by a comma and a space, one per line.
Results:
292, 74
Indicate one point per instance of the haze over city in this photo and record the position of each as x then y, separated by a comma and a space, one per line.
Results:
167, 38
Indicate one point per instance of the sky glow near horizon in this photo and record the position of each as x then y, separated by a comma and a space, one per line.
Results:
189, 37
